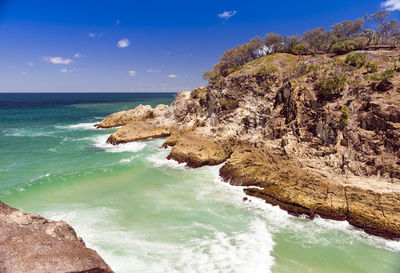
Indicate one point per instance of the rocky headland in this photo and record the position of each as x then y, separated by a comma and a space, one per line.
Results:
316, 135
31, 243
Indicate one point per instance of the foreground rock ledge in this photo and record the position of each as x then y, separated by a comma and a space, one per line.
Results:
31, 243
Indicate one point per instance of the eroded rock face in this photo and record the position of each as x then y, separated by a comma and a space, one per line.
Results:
31, 243
299, 190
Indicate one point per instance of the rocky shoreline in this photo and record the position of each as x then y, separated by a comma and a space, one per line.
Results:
32, 243
333, 154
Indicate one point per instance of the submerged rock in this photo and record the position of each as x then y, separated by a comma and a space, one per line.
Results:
31, 243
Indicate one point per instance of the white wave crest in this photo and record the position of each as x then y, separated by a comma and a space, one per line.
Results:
309, 232
132, 147
244, 251
127, 160
40, 177
79, 126
248, 251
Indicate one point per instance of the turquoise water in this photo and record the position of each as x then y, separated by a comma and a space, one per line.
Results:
144, 213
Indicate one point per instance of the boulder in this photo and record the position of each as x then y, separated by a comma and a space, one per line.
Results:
32, 243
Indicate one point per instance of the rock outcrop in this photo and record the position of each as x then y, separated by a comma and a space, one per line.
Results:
316, 134
140, 113
364, 203
198, 150
31, 243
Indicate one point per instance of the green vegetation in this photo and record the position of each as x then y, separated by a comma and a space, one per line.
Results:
344, 37
344, 47
371, 67
267, 69
195, 93
330, 85
384, 76
344, 117
356, 59
228, 104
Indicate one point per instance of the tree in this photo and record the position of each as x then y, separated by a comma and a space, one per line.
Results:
347, 28
274, 42
318, 40
386, 29
290, 42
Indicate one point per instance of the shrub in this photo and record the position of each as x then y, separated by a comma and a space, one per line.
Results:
384, 76
344, 117
339, 62
344, 47
228, 104
300, 48
356, 59
267, 69
195, 93
300, 70
371, 67
211, 76
387, 74
328, 86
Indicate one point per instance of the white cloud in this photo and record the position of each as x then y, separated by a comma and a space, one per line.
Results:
95, 34
57, 60
65, 70
123, 43
24, 73
154, 70
391, 4
131, 73
79, 55
172, 76
227, 14
30, 64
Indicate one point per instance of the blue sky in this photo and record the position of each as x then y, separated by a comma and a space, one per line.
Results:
143, 46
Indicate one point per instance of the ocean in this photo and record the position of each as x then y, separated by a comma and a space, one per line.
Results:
144, 213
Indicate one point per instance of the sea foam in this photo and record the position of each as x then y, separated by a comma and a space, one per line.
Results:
79, 126
132, 147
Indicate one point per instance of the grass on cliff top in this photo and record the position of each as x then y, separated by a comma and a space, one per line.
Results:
279, 60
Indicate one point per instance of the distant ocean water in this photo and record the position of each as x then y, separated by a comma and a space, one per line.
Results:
144, 213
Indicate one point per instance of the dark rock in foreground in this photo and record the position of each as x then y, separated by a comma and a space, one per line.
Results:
31, 243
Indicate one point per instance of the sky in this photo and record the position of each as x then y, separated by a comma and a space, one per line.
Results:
144, 46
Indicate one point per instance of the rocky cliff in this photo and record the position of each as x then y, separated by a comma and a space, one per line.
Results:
316, 134
31, 243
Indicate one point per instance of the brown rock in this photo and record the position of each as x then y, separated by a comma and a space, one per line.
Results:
198, 150
281, 182
142, 112
31, 243
138, 131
